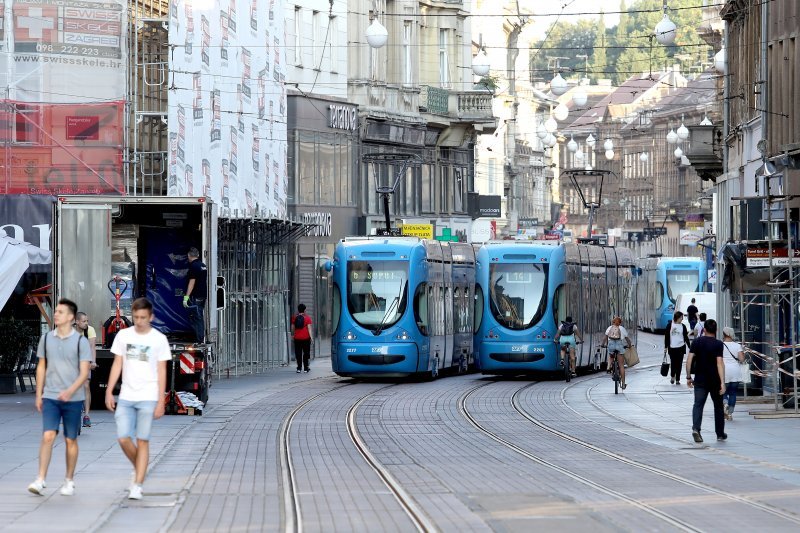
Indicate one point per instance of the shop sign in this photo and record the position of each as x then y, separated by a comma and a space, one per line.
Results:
488, 206
343, 117
690, 237
321, 224
423, 231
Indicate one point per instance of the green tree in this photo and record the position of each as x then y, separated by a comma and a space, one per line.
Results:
598, 60
567, 40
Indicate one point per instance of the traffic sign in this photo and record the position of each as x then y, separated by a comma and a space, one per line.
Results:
655, 231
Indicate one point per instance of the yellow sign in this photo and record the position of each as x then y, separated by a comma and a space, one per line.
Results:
423, 231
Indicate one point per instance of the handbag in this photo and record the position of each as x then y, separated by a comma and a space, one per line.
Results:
665, 366
631, 356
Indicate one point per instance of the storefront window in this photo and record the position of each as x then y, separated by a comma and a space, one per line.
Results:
326, 171
427, 189
305, 173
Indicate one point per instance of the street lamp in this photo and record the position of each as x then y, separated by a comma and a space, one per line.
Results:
590, 141
550, 125
561, 112
572, 146
558, 85
665, 29
480, 63
643, 157
683, 131
377, 35
592, 181
672, 137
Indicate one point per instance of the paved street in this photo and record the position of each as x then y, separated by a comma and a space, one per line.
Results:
288, 452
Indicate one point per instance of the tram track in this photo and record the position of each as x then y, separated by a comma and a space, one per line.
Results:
604, 489
790, 517
293, 517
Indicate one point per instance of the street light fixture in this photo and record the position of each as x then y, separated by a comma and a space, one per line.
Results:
558, 85
591, 141
643, 157
550, 125
592, 181
683, 131
572, 146
480, 63
609, 154
376, 34
608, 145
665, 30
672, 137
561, 112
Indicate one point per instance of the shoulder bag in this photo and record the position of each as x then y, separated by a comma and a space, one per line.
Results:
631, 356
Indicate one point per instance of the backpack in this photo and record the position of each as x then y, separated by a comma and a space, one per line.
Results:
614, 333
567, 328
299, 322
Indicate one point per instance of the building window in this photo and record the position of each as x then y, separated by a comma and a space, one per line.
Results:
26, 124
427, 189
333, 39
298, 36
316, 39
408, 78
444, 60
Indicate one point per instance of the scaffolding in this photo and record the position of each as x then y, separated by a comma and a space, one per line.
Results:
773, 351
146, 155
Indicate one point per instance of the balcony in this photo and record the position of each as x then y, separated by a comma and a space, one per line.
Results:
434, 100
705, 151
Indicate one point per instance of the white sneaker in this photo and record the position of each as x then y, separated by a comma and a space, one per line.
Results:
37, 487
135, 492
69, 488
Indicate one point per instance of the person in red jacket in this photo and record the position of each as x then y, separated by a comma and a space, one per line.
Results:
301, 333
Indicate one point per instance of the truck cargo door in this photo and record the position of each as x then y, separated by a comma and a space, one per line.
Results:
83, 258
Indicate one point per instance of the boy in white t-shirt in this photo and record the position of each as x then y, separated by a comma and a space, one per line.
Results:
141, 355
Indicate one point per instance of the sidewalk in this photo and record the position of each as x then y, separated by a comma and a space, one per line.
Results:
100, 503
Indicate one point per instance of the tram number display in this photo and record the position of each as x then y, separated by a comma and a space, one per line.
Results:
377, 275
519, 277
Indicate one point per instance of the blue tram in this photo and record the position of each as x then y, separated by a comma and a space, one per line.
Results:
402, 306
525, 289
662, 280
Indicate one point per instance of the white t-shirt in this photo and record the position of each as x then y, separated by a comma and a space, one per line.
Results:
730, 356
676, 339
623, 332
140, 356
698, 329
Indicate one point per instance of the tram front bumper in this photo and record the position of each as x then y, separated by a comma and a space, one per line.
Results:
361, 359
515, 356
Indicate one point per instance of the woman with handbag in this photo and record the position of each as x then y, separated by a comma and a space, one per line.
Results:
733, 357
676, 340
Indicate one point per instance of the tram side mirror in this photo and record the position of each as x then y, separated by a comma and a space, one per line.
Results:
220, 289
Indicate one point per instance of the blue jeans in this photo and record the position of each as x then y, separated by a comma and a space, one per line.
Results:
134, 419
700, 396
197, 317
730, 394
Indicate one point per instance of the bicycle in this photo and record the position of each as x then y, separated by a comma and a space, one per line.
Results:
564, 359
616, 374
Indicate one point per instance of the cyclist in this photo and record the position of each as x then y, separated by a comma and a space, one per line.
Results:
616, 338
566, 334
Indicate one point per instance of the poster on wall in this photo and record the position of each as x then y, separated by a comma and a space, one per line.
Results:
227, 116
61, 121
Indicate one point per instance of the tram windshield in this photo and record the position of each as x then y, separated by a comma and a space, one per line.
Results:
376, 292
518, 294
680, 281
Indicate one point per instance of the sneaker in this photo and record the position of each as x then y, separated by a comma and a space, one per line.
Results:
722, 437
135, 492
306, 370
298, 370
672, 381
696, 436
69, 488
677, 383
87, 422
37, 487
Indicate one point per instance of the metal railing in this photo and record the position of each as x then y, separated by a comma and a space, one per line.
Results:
434, 100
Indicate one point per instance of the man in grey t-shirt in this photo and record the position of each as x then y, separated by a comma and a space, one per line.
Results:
63, 367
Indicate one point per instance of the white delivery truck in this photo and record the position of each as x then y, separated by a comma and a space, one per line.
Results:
138, 247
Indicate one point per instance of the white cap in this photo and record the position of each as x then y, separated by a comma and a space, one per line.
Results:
728, 332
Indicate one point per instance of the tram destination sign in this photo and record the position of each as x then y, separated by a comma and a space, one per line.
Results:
656, 231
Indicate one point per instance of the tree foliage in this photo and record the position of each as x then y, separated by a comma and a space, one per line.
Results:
625, 49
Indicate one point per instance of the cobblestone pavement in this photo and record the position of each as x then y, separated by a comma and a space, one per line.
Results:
288, 452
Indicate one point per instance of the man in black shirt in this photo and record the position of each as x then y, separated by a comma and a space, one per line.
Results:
691, 313
194, 299
709, 378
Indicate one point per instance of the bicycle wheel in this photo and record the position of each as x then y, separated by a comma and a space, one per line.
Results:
567, 371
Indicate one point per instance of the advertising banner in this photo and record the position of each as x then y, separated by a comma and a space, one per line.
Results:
227, 116
423, 231
758, 256
60, 51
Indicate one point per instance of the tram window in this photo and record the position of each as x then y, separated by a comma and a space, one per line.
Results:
680, 281
336, 312
559, 298
421, 308
458, 316
518, 294
376, 291
656, 294
478, 308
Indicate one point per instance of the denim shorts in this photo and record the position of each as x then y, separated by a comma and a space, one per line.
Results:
134, 419
54, 411
616, 345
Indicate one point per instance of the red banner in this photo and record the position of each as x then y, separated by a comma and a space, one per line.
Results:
61, 148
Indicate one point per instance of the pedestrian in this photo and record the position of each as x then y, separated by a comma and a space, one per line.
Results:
709, 379
140, 356
691, 314
61, 372
301, 333
676, 340
194, 299
733, 357
697, 331
83, 328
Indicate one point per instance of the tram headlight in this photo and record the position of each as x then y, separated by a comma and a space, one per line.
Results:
402, 336
350, 336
